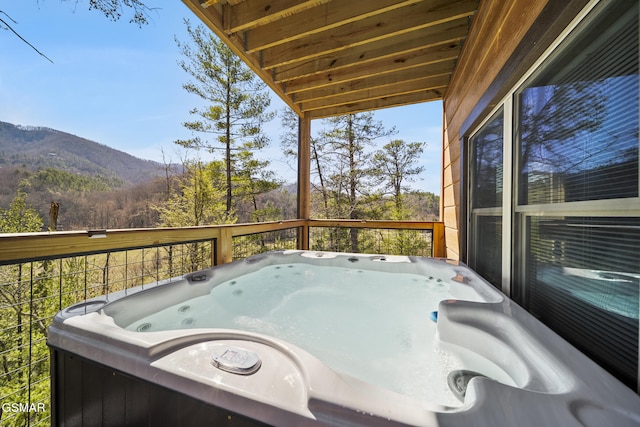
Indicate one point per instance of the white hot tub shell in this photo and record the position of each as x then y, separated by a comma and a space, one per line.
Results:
416, 341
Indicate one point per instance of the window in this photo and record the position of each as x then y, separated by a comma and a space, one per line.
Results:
554, 189
583, 277
486, 178
579, 119
577, 190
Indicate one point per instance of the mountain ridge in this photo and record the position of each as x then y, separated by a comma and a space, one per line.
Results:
40, 147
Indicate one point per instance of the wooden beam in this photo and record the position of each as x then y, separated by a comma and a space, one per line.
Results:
261, 227
26, 247
393, 101
396, 22
253, 13
344, 81
382, 91
346, 53
224, 247
304, 167
372, 88
208, 3
323, 17
442, 41
358, 223
339, 91
23, 246
438, 240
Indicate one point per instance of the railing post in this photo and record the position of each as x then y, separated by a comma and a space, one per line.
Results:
224, 246
304, 179
303, 236
214, 251
438, 240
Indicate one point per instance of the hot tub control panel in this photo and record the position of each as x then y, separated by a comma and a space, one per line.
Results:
236, 360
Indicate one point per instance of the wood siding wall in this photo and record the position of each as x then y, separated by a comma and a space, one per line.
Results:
506, 38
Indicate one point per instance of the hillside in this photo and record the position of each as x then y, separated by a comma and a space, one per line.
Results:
41, 148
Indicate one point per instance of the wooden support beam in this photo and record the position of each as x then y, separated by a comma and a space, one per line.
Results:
304, 167
331, 57
438, 240
412, 77
345, 81
304, 177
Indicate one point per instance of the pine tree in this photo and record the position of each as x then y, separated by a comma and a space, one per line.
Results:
20, 217
394, 165
236, 104
350, 139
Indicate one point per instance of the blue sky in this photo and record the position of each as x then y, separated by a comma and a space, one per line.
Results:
120, 85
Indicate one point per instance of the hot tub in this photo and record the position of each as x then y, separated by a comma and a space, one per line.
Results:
298, 338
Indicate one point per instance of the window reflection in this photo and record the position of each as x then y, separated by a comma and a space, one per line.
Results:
486, 169
486, 179
583, 277
579, 122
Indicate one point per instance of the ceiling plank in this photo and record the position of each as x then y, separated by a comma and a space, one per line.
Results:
382, 91
253, 13
393, 101
399, 21
316, 82
368, 83
445, 39
323, 17
209, 3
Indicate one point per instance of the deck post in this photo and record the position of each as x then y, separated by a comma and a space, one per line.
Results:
224, 246
304, 178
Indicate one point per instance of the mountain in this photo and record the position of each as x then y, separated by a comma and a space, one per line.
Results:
40, 148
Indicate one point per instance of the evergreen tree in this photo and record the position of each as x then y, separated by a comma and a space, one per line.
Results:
236, 109
199, 201
253, 180
20, 217
395, 164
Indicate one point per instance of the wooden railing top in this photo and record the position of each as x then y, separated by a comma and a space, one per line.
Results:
22, 247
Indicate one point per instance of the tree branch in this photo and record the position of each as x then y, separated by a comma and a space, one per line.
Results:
10, 28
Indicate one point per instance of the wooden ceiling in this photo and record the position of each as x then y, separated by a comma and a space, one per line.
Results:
333, 57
